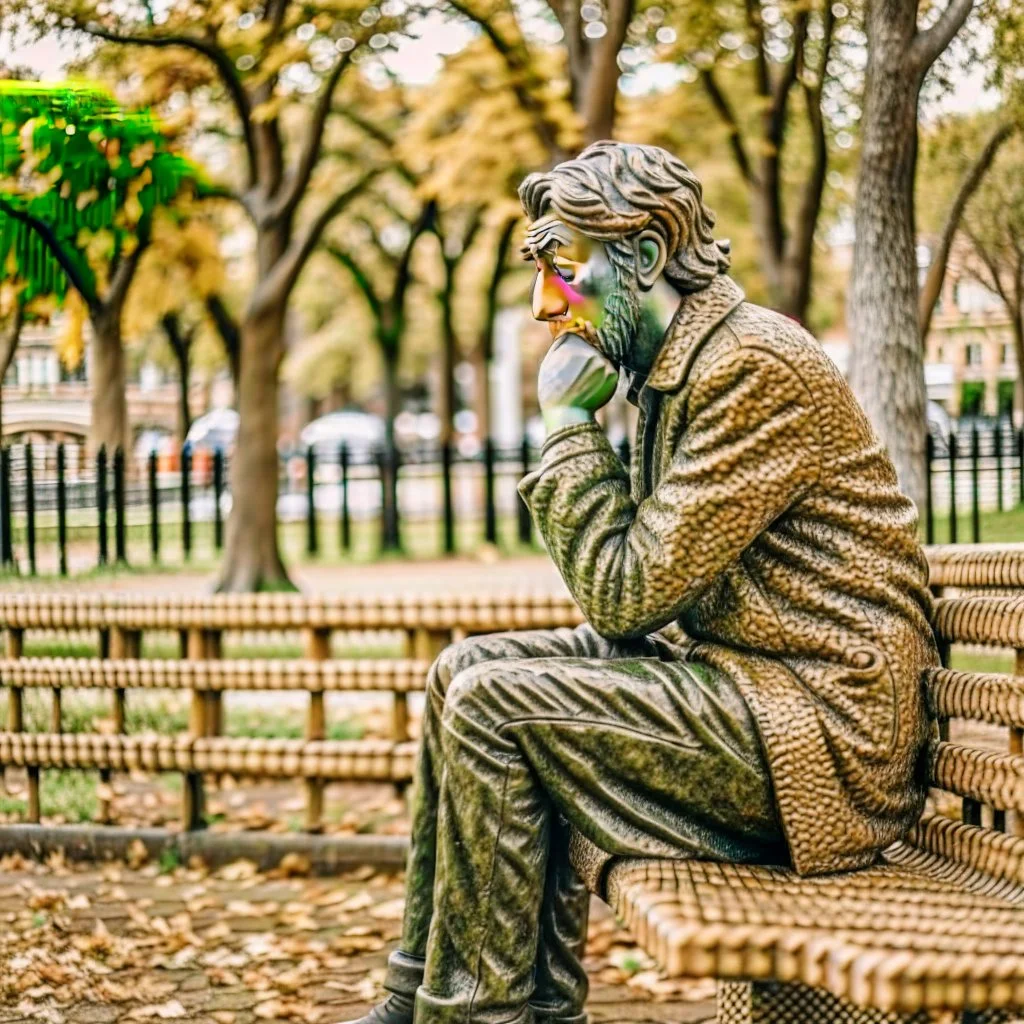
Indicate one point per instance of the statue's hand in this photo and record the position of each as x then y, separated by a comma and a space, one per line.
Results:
575, 380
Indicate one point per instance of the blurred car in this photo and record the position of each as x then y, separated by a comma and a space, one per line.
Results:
361, 433
214, 431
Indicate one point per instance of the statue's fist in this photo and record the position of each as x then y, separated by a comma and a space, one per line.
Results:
575, 380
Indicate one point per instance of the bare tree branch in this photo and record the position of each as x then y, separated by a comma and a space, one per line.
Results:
517, 63
229, 331
932, 286
359, 276
280, 281
220, 60
930, 43
756, 26
311, 148
722, 107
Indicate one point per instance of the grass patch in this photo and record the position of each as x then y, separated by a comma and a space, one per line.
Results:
267, 724
66, 794
968, 660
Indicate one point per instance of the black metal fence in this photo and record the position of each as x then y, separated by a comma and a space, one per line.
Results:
110, 509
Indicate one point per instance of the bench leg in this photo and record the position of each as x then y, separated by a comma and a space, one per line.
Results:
741, 1002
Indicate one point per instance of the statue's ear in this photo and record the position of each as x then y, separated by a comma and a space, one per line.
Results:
651, 257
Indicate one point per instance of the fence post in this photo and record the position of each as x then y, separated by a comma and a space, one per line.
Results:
929, 511
186, 515
62, 513
975, 500
1020, 464
120, 526
388, 467
16, 721
311, 537
101, 502
952, 489
346, 521
7, 540
490, 512
154, 508
318, 648
30, 509
447, 498
525, 521
997, 441
218, 492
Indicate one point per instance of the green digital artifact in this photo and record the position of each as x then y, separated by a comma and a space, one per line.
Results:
747, 686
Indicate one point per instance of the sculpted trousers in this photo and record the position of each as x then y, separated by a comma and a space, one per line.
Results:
526, 734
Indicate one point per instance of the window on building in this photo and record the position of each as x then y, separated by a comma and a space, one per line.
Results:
974, 354
1006, 356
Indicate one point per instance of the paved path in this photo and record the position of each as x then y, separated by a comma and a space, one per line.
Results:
529, 572
120, 944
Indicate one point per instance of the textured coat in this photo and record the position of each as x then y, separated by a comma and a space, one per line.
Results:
764, 518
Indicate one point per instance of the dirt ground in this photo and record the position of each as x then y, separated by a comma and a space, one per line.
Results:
164, 942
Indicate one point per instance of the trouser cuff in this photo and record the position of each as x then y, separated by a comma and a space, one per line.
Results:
431, 1009
404, 974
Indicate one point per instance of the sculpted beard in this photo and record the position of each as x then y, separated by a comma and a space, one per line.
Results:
623, 313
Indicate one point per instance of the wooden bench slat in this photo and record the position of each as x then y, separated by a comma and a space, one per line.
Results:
978, 566
353, 760
392, 675
990, 777
876, 937
978, 696
984, 849
475, 613
980, 620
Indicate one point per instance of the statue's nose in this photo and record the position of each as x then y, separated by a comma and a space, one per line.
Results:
549, 300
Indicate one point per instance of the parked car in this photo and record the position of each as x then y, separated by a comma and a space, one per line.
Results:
360, 432
213, 431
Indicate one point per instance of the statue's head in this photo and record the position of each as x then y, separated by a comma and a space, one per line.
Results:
605, 227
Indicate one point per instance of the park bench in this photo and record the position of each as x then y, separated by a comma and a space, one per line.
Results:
936, 926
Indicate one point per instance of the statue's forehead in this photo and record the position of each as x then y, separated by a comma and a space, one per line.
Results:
548, 235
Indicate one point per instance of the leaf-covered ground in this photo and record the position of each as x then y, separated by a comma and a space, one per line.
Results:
149, 942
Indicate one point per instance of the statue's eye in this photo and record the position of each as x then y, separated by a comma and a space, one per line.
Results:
566, 272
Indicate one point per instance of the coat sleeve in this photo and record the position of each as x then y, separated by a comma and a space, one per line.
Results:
749, 450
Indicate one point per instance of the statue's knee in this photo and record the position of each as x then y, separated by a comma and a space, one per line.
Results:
468, 691
455, 658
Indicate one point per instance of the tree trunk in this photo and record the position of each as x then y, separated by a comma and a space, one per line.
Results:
109, 425
252, 560
8, 346
1018, 348
180, 343
449, 357
390, 532
887, 365
932, 287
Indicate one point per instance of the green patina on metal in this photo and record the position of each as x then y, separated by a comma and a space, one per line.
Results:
748, 685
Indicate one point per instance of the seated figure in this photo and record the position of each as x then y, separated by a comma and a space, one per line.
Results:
747, 686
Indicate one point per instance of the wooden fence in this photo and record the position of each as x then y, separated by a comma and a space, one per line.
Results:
426, 622
120, 621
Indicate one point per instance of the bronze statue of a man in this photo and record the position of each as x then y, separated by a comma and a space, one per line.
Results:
747, 686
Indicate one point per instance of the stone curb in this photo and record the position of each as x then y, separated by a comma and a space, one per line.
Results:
327, 855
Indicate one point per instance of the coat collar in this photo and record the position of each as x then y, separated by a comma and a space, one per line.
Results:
699, 313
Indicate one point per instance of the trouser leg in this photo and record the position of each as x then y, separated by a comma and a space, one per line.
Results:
644, 757
561, 982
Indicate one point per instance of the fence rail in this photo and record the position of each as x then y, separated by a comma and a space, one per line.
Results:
425, 622
155, 514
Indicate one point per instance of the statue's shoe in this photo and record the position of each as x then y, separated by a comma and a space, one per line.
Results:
395, 1009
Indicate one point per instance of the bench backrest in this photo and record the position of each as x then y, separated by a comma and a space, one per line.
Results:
977, 764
